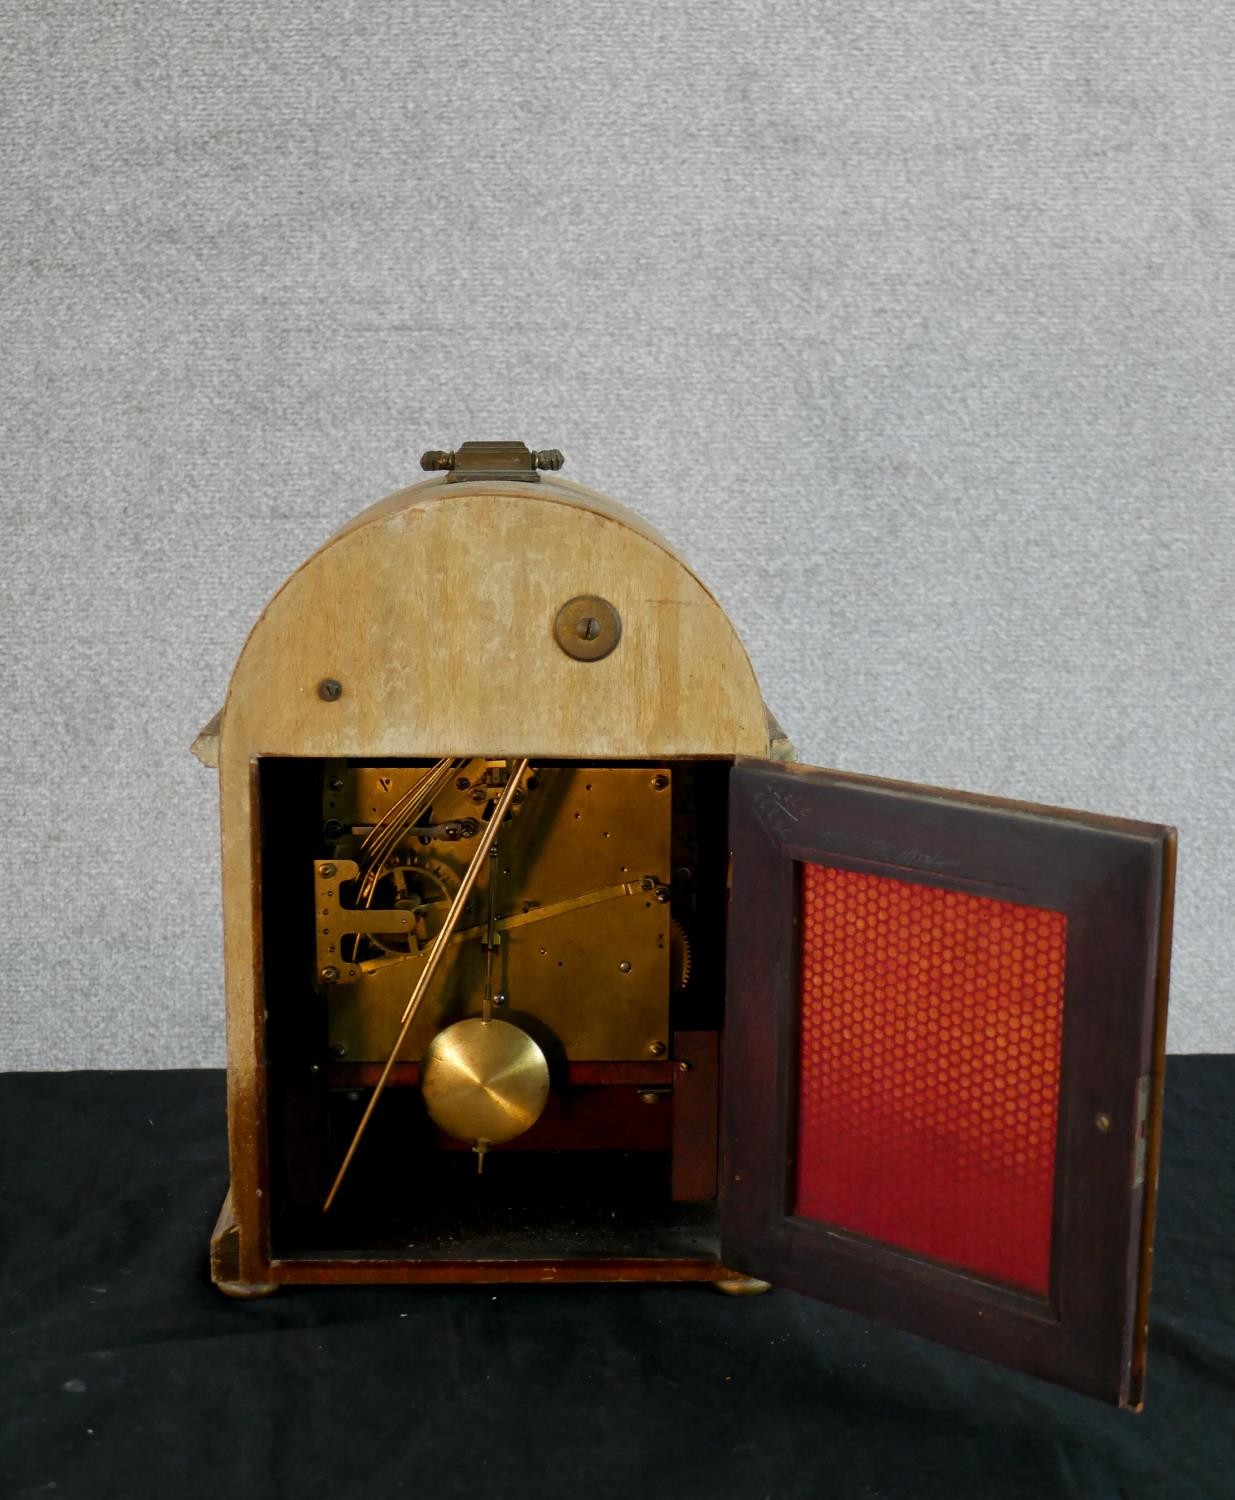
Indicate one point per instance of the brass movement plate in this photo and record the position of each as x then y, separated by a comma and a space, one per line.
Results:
583, 938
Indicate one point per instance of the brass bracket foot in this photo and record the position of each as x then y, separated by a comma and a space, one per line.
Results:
742, 1286
246, 1291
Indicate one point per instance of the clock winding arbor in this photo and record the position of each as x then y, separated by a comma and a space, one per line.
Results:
543, 964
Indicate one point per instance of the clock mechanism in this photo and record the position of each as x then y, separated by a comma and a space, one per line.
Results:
494, 956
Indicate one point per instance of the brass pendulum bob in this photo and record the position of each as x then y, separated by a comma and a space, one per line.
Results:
484, 1082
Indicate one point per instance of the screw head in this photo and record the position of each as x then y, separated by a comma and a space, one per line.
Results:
326, 871
338, 1050
657, 1049
330, 974
479, 794
624, 966
683, 1067
587, 627
336, 783
330, 689
649, 1096
463, 783
332, 829
1103, 1121
499, 999
659, 782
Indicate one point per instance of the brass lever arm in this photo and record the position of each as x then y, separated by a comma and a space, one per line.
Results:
557, 908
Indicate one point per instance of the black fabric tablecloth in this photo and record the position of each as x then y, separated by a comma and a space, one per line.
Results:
126, 1374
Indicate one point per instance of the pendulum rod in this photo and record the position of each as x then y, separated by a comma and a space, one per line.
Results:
480, 1146
440, 943
491, 941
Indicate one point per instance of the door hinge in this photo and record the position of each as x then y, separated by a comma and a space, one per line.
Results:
1142, 1130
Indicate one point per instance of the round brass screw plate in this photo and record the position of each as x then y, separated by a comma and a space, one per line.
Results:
587, 627
484, 1081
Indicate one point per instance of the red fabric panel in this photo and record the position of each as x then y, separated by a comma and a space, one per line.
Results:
929, 1070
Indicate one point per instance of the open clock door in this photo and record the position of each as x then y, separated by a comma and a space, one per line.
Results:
944, 1037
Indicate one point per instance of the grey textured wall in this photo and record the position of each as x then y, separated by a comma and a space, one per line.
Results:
910, 324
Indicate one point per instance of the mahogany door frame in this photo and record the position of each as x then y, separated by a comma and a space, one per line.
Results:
1114, 879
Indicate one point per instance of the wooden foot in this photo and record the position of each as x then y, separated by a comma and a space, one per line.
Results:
225, 1259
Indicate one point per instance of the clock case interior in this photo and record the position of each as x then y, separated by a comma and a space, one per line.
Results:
615, 877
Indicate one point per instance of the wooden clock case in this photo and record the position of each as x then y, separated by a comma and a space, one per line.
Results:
431, 626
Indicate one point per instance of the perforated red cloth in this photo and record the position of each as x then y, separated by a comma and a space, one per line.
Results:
929, 1070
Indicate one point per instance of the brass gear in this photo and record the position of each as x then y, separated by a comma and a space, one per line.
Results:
406, 883
679, 955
